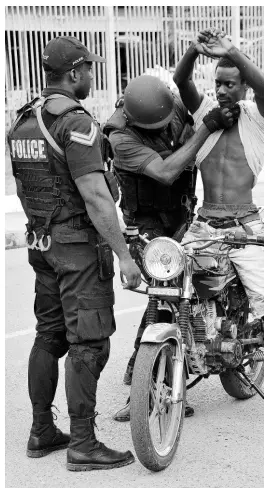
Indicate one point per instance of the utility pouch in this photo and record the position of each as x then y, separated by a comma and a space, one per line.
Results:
105, 260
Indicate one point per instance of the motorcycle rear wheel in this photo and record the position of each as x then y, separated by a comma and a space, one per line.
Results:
234, 386
156, 424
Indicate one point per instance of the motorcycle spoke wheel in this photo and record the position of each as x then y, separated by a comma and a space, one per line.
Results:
156, 423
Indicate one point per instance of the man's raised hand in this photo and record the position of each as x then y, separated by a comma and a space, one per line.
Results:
217, 44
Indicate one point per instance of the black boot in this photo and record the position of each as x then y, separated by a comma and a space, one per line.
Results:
86, 453
44, 436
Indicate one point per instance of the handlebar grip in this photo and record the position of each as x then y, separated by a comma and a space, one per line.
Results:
260, 239
256, 240
244, 239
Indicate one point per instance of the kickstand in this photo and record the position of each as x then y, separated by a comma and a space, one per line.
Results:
194, 382
248, 382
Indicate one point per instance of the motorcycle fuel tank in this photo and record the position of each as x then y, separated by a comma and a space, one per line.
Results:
206, 278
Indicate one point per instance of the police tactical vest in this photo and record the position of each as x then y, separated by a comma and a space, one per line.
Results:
47, 185
140, 193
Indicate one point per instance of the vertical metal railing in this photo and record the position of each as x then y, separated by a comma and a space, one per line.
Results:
134, 40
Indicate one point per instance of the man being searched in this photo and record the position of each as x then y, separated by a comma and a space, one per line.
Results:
72, 229
230, 161
154, 168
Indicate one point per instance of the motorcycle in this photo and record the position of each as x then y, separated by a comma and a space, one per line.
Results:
196, 324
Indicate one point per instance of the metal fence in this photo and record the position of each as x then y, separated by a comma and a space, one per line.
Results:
134, 40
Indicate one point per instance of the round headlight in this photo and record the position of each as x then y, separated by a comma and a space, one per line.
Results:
164, 258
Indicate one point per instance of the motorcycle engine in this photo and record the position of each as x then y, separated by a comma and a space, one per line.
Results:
215, 337
204, 320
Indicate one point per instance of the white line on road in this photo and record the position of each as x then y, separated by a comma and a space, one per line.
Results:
32, 331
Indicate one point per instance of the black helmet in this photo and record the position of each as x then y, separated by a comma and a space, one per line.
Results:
148, 103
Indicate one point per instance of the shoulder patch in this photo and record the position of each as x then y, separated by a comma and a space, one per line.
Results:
85, 139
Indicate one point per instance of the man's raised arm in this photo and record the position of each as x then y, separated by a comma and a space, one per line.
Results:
184, 71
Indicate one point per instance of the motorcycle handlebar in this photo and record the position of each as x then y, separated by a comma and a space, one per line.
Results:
237, 238
244, 239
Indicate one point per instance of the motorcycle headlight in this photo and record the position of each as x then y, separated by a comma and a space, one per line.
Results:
163, 258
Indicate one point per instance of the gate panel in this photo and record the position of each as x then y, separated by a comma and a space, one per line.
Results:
133, 39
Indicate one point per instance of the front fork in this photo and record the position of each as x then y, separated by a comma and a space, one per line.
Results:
178, 332
179, 364
183, 324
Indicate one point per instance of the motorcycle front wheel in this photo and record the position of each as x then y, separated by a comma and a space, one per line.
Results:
156, 423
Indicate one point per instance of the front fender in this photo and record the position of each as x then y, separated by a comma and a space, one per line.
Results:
163, 331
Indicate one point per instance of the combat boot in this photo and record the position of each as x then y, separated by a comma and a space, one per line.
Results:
44, 436
86, 453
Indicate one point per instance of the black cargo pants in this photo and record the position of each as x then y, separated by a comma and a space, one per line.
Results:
74, 311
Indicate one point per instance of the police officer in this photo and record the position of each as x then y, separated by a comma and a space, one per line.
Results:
151, 137
71, 232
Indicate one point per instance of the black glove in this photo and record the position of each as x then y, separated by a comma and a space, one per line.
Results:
221, 118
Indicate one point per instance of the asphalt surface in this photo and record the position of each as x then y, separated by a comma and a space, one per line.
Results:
221, 446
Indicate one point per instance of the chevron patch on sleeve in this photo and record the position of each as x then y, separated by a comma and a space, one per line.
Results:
86, 140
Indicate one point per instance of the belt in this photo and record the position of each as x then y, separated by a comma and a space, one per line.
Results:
226, 224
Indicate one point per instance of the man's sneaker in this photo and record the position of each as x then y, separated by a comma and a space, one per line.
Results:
123, 415
189, 411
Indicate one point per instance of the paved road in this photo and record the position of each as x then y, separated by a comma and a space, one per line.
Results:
221, 446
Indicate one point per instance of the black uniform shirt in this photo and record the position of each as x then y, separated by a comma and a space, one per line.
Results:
78, 134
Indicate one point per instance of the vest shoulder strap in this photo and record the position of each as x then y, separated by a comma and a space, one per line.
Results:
46, 133
57, 105
116, 122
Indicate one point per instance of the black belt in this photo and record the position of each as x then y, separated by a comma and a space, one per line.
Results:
226, 224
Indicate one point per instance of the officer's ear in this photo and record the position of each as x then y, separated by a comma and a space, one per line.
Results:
74, 75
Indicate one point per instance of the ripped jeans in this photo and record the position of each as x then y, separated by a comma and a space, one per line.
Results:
248, 261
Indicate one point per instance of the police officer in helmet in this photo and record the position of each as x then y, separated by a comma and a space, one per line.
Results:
154, 150
56, 153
